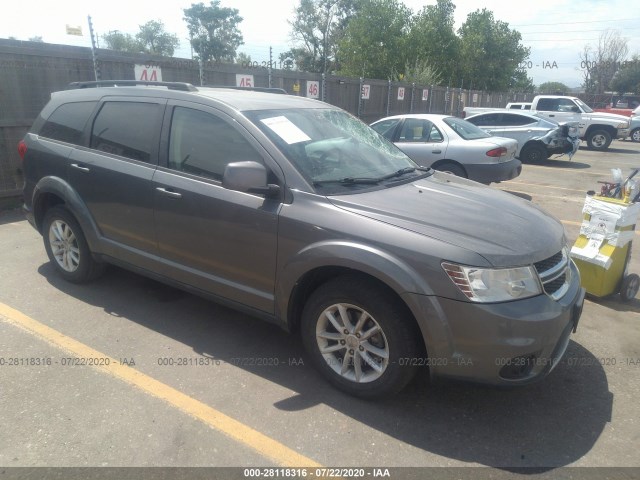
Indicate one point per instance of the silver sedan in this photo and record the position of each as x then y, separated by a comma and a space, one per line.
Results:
452, 145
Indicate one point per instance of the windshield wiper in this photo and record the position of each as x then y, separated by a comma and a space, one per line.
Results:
349, 181
370, 180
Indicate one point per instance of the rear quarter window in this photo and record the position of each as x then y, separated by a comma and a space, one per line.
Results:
67, 122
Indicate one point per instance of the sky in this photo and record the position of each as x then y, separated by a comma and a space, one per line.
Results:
555, 30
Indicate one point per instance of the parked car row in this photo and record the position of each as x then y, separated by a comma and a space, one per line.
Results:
488, 147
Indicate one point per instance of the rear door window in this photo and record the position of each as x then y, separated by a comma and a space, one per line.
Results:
127, 129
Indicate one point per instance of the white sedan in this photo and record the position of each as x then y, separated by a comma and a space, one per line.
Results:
452, 145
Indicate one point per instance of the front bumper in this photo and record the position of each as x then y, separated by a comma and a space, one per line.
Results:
623, 133
493, 172
512, 343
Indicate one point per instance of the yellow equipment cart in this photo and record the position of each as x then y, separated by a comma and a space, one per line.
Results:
603, 249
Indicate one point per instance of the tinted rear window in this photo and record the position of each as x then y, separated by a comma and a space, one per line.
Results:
67, 122
128, 129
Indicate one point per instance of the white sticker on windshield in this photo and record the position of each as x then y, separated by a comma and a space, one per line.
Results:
285, 129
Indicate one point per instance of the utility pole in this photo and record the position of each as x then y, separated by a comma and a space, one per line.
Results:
96, 68
270, 63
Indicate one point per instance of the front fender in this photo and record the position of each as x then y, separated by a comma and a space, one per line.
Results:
387, 268
60, 188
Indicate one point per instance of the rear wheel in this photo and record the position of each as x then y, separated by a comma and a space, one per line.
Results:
533, 153
360, 337
452, 168
599, 140
629, 287
67, 247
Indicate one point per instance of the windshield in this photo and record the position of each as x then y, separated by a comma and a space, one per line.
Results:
333, 150
586, 108
466, 130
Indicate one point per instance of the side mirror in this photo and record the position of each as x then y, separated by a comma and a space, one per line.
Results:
248, 177
576, 109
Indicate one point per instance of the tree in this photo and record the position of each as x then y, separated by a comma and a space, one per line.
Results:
490, 52
422, 72
627, 79
316, 29
152, 38
122, 42
432, 40
374, 44
243, 59
554, 88
214, 31
599, 64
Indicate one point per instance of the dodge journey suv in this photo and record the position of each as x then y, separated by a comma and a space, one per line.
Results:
295, 211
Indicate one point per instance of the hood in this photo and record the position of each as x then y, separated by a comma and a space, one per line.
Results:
504, 229
612, 117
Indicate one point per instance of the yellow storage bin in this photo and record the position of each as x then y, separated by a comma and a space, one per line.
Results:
602, 250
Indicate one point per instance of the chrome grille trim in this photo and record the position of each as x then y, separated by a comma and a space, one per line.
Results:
553, 268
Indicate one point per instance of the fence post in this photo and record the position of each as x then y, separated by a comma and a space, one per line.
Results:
430, 97
413, 91
324, 87
388, 96
360, 97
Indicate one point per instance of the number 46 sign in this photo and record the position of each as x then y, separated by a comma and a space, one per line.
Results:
313, 89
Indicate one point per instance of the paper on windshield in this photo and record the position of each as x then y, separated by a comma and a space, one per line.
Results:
286, 130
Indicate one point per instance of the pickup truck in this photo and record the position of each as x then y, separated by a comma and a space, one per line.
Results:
598, 129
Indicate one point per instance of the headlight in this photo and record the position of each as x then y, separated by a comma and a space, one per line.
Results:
623, 125
487, 285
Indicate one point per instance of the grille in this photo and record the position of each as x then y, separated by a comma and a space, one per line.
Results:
549, 263
554, 274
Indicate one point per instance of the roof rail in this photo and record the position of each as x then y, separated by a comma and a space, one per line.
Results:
187, 87
281, 91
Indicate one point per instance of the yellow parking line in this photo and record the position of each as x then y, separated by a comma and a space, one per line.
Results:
234, 429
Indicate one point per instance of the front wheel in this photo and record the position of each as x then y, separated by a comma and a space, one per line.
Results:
635, 135
599, 140
360, 338
533, 153
67, 247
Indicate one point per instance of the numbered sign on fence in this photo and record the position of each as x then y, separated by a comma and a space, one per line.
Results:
313, 89
425, 94
148, 73
366, 91
400, 93
243, 80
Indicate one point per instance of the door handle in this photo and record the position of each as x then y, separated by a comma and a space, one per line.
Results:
436, 151
169, 193
551, 115
80, 167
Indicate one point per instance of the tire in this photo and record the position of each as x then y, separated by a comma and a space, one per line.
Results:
452, 168
382, 366
629, 287
599, 140
67, 247
533, 153
635, 135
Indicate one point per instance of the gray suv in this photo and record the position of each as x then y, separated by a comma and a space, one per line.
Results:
295, 211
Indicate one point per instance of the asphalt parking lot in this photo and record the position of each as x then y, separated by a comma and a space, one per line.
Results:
127, 372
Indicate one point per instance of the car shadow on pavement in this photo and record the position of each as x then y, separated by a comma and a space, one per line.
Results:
559, 163
543, 426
